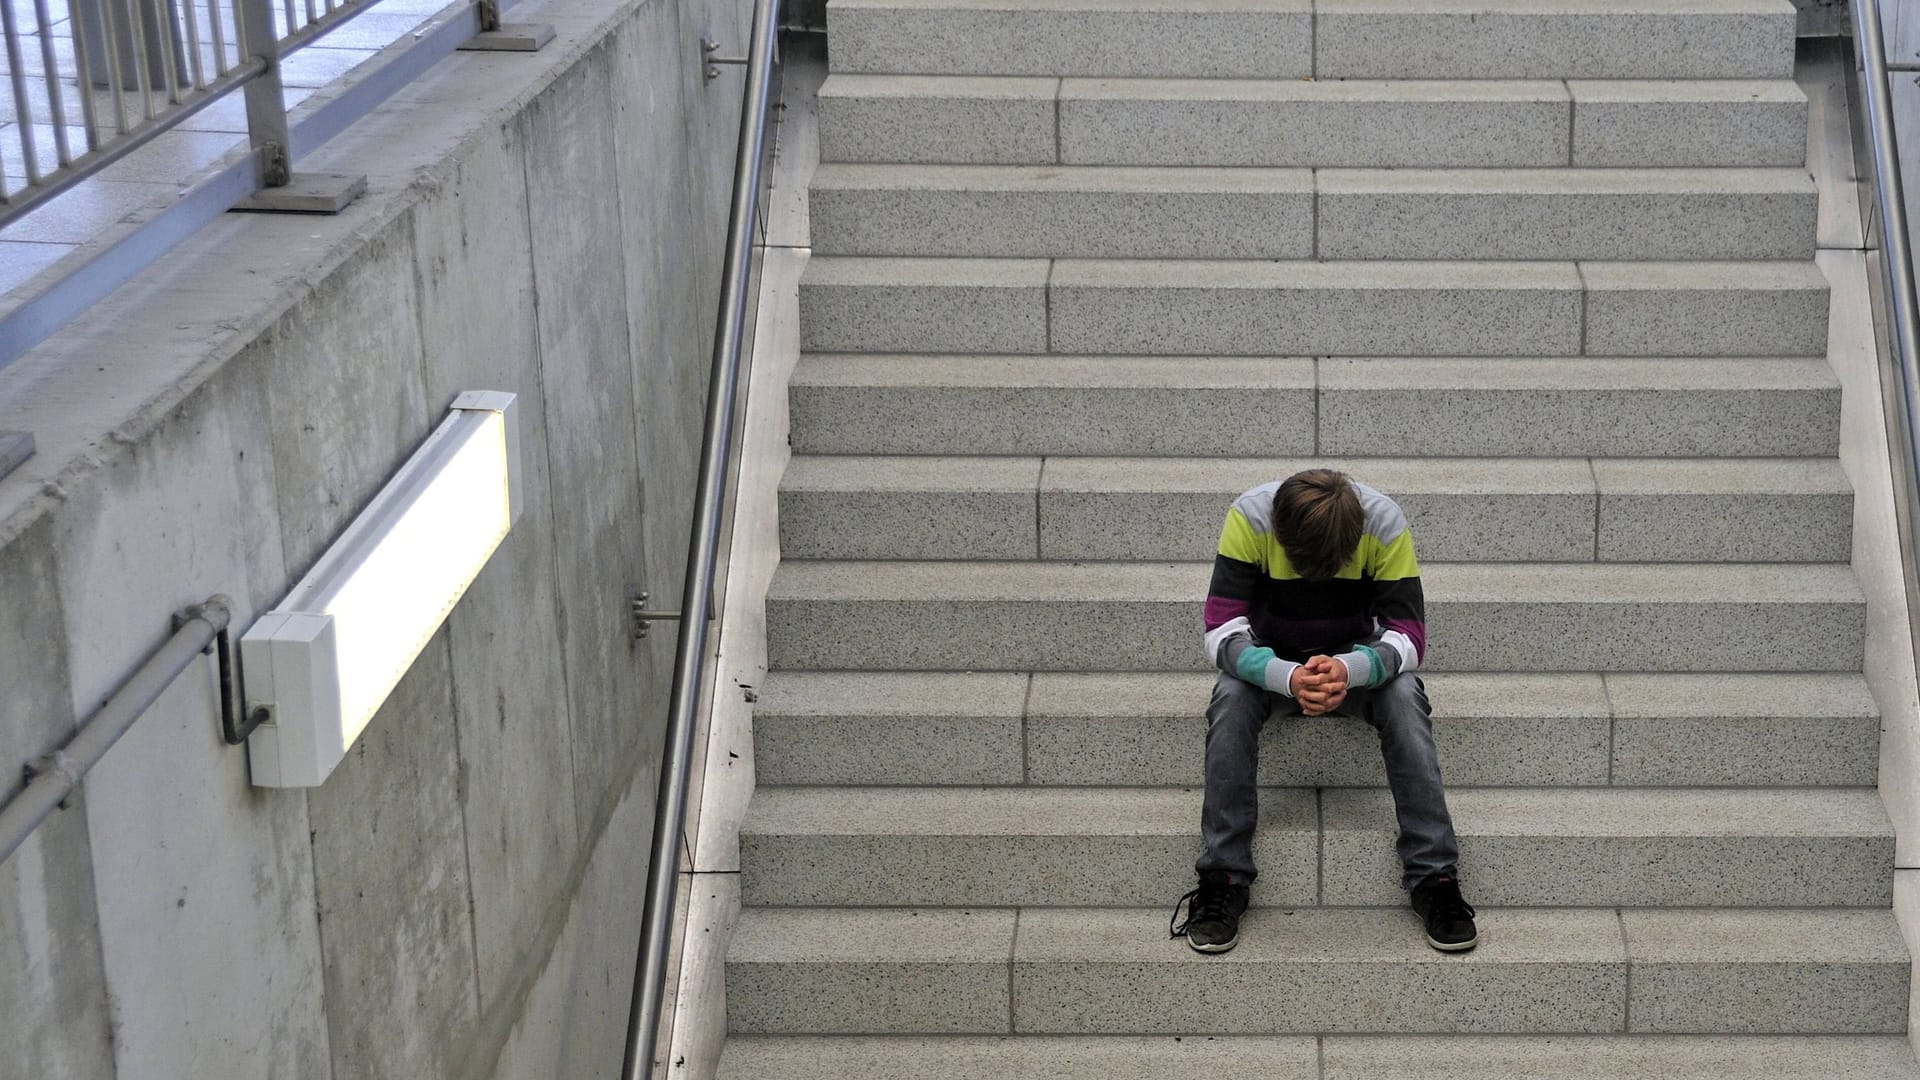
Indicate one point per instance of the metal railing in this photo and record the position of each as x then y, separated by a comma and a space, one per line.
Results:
114, 74
193, 73
1901, 307
689, 661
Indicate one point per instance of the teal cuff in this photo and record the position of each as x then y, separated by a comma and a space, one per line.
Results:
1251, 665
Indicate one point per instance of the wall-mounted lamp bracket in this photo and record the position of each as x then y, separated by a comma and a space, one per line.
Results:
238, 719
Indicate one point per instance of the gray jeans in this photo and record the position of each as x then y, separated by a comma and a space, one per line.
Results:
1397, 710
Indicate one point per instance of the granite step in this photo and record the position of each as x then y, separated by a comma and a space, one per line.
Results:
1126, 729
1127, 212
1512, 617
1240, 39
1146, 307
1077, 212
1461, 509
1334, 1057
1429, 124
1360, 970
1334, 39
1529, 39
1284, 407
1123, 847
1288, 123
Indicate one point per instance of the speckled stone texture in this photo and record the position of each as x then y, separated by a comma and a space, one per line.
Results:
1313, 308
1705, 309
1530, 39
1832, 972
834, 971
887, 728
1482, 510
1051, 405
1633, 847
1566, 214
1386, 1057
1317, 970
1743, 617
933, 119
1149, 730
1607, 408
1296, 123
1049, 212
1518, 617
1791, 510
1240, 39
924, 305
1744, 730
952, 847
1057, 1058
909, 508
1688, 123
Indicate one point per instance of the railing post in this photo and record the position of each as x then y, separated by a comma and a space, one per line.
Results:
281, 189
266, 104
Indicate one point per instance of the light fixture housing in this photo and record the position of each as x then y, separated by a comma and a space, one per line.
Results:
326, 657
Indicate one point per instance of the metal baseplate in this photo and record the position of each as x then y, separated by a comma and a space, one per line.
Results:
510, 37
307, 193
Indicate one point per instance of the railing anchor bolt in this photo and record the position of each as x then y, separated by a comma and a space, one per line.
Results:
708, 49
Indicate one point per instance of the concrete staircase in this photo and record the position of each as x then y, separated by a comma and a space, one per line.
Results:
1541, 269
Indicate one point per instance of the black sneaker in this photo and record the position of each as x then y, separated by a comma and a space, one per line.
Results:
1213, 913
1448, 917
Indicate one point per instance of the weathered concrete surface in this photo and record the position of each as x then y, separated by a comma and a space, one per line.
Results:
390, 863
52, 989
531, 225
516, 786
203, 885
578, 272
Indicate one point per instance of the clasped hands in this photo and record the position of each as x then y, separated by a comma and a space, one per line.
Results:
1319, 685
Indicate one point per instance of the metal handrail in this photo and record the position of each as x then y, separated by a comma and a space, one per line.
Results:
1896, 254
51, 779
650, 970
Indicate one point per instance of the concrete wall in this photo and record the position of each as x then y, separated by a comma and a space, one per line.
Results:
461, 898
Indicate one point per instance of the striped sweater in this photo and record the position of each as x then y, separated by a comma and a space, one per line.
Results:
1263, 619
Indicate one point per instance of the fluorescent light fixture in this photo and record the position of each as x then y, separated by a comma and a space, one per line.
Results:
327, 656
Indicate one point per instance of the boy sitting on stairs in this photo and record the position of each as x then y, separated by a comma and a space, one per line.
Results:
1315, 608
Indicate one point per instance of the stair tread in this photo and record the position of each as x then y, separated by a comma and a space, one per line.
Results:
1632, 812
845, 84
1513, 812
1331, 181
1232, 372
1346, 1057
1315, 936
1458, 476
1581, 583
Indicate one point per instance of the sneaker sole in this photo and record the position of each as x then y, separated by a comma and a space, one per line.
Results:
1220, 948
1462, 946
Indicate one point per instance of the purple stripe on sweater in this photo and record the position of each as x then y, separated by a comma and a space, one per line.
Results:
1221, 609
1416, 632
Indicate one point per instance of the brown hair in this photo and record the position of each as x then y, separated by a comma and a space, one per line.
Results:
1317, 519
